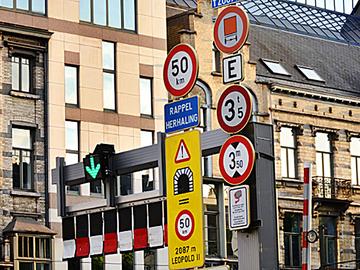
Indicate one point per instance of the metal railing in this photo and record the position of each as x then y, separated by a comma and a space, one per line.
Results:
331, 188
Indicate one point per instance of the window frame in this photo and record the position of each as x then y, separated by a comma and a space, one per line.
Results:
283, 73
151, 115
330, 153
19, 79
292, 235
31, 165
357, 166
33, 259
324, 241
73, 189
30, 10
121, 28
77, 104
112, 72
301, 70
287, 148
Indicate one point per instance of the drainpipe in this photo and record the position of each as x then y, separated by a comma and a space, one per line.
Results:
208, 100
46, 133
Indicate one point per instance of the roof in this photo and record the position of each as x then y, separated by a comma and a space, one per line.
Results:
183, 3
337, 63
27, 225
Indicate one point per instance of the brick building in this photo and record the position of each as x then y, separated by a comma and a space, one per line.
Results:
74, 73
302, 74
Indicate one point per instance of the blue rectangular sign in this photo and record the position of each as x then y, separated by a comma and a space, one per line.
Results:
182, 114
220, 3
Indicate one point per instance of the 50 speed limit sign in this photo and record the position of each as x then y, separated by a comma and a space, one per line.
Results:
234, 109
236, 160
184, 225
180, 70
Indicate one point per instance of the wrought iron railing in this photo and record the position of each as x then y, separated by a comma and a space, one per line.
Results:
331, 188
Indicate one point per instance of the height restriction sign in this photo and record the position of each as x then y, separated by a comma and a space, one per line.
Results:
184, 200
180, 70
236, 159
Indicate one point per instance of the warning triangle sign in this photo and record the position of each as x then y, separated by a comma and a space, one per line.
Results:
182, 154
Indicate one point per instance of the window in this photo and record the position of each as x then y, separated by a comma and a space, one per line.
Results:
127, 260
36, 6
22, 158
98, 263
147, 176
72, 145
34, 252
355, 160
292, 239
216, 62
150, 259
324, 164
310, 73
71, 85
211, 230
119, 14
275, 67
288, 151
20, 73
146, 96
328, 240
108, 54
357, 242
125, 184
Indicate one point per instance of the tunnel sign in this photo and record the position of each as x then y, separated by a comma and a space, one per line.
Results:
236, 159
184, 194
180, 70
231, 29
234, 109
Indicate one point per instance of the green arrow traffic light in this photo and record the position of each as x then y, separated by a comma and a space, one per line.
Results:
92, 170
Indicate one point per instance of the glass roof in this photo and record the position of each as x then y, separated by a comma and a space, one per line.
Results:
301, 18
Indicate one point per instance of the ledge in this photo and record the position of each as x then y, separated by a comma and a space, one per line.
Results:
20, 94
22, 193
216, 74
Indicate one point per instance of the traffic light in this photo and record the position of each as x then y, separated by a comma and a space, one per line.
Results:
96, 165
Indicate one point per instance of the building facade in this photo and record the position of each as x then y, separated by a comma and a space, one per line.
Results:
74, 74
304, 83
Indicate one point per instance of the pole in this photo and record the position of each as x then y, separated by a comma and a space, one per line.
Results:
307, 217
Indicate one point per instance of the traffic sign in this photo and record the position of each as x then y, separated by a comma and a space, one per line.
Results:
182, 114
233, 68
234, 109
239, 207
184, 195
236, 160
182, 153
221, 3
180, 70
231, 29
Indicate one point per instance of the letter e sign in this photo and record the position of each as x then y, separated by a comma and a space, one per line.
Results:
232, 69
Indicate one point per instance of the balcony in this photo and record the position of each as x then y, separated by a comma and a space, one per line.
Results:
331, 193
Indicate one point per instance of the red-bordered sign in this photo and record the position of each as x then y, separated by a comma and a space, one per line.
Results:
231, 29
234, 109
184, 225
180, 70
236, 160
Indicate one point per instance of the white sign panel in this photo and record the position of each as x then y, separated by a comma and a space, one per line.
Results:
239, 207
232, 69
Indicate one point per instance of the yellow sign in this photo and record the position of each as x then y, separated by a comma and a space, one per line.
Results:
184, 200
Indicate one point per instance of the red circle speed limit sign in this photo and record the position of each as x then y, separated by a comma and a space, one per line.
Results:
231, 29
236, 160
234, 109
180, 70
184, 225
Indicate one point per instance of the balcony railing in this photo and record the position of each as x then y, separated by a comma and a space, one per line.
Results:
331, 188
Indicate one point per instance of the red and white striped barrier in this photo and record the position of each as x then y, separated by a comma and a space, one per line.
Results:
307, 217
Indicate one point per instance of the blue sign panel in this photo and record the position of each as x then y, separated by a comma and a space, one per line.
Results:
182, 114
220, 3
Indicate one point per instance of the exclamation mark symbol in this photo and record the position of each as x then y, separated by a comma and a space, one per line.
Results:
182, 151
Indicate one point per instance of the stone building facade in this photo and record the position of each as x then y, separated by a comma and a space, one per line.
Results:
307, 88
